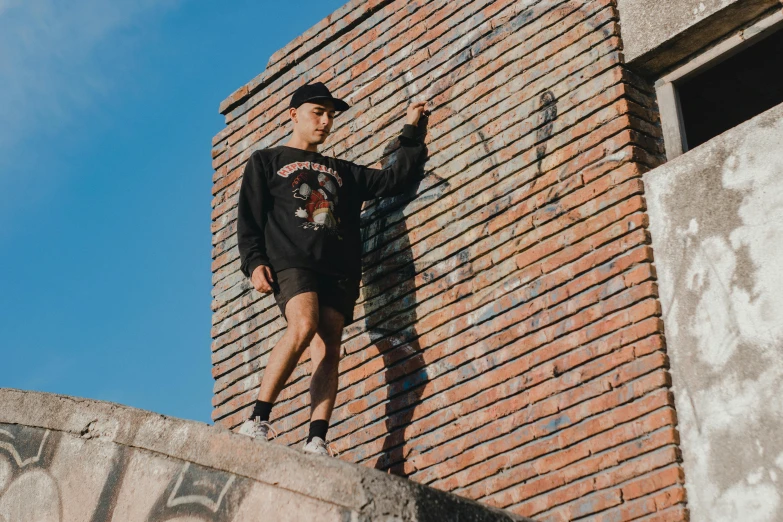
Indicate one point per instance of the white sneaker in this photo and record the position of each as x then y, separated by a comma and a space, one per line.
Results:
257, 429
318, 446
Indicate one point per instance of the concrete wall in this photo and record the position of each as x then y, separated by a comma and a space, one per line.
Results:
508, 341
716, 216
64, 459
657, 34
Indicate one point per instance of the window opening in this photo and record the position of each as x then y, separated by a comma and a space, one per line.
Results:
733, 91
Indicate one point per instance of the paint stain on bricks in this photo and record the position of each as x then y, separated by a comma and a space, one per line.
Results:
554, 424
414, 380
467, 372
607, 267
548, 107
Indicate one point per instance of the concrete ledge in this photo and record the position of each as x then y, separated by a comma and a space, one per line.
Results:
657, 35
88, 459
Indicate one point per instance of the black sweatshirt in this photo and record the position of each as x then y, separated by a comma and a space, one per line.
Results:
301, 209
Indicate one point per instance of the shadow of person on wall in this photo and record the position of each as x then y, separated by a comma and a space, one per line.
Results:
391, 315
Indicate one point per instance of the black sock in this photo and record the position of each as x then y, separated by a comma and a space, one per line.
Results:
262, 410
318, 429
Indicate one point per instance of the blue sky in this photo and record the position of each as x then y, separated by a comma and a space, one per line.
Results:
107, 110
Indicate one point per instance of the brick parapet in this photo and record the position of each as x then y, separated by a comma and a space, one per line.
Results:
508, 344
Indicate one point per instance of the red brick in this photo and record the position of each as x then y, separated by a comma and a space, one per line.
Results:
508, 343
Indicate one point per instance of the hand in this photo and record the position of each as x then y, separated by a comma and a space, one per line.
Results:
262, 279
415, 111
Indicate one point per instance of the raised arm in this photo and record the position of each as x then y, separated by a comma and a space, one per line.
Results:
396, 177
251, 216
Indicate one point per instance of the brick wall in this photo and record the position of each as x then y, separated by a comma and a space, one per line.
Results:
508, 345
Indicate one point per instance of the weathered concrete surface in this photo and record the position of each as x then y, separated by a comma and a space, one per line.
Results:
717, 226
68, 459
658, 34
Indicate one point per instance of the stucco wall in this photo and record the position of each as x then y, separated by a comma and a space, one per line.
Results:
716, 217
658, 34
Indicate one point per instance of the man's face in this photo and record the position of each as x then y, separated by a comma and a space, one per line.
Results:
313, 120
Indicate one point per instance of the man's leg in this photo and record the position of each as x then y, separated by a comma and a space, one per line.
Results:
325, 358
301, 313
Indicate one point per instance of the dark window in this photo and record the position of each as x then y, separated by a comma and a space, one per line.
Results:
733, 91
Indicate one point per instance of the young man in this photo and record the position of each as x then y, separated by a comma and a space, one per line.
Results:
298, 237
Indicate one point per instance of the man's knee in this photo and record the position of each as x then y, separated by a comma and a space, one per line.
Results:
330, 325
302, 317
326, 351
302, 330
331, 340
330, 330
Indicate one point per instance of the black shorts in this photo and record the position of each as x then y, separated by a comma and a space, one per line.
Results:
338, 293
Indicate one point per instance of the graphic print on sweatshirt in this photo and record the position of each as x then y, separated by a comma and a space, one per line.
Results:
317, 187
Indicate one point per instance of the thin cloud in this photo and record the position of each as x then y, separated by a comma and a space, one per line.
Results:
53, 58
58, 60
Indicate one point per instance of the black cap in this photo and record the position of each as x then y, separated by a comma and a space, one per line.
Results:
312, 92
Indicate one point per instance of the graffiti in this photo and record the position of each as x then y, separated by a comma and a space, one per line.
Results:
25, 445
111, 487
196, 491
25, 456
30, 491
548, 106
